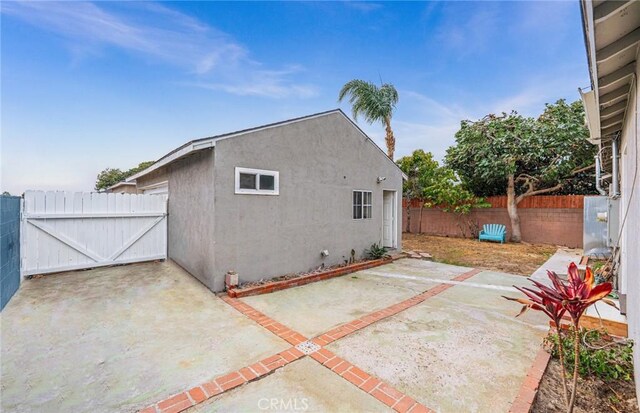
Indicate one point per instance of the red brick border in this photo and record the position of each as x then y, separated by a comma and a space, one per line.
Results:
382, 391
529, 388
186, 399
305, 279
362, 322
290, 336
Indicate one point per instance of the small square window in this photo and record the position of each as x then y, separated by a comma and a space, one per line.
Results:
247, 181
267, 182
257, 181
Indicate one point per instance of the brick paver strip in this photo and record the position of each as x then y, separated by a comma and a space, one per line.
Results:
186, 399
382, 391
360, 323
529, 387
290, 336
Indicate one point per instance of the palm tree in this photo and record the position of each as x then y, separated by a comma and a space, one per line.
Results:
375, 103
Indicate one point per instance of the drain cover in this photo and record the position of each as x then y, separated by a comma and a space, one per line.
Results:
308, 347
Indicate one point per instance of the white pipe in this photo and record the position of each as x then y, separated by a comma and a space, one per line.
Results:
615, 184
598, 178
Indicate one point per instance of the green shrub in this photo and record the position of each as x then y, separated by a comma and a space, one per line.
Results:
376, 252
606, 360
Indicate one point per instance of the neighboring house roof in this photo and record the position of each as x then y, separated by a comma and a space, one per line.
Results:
204, 143
612, 35
121, 183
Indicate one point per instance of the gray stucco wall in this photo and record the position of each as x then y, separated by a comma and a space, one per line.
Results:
191, 219
157, 176
320, 161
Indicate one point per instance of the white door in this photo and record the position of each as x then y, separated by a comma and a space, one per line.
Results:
389, 219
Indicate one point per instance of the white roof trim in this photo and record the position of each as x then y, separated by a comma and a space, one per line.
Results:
591, 99
167, 159
120, 184
592, 113
211, 142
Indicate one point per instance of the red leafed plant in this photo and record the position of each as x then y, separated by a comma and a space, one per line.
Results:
572, 297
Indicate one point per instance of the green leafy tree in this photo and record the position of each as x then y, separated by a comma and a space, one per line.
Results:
375, 104
419, 168
435, 186
141, 166
525, 156
451, 196
111, 176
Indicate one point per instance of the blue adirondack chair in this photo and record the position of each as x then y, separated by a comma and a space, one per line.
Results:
493, 232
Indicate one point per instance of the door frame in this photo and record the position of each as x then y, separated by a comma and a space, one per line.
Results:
394, 230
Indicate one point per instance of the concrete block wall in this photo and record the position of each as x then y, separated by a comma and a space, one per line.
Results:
556, 226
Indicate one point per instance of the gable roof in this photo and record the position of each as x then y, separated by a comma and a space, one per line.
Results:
210, 142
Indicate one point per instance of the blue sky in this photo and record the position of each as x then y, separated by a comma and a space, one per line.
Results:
92, 85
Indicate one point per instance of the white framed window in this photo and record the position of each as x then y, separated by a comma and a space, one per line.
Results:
362, 204
257, 181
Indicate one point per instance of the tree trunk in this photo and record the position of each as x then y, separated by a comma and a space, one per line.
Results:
512, 209
408, 215
389, 139
420, 220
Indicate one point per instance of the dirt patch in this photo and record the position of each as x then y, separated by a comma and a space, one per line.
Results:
521, 259
594, 394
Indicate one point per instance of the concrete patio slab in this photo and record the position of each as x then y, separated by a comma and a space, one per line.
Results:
559, 262
462, 350
117, 339
300, 386
316, 308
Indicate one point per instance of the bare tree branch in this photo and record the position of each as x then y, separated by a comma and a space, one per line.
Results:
586, 168
538, 192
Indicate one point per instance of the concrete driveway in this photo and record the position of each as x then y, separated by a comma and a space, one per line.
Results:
407, 336
118, 339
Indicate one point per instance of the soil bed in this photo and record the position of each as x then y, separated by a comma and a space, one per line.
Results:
294, 280
292, 276
594, 394
521, 258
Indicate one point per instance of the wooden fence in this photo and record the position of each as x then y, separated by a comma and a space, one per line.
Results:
551, 219
541, 201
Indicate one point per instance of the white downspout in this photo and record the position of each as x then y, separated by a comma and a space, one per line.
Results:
598, 176
614, 172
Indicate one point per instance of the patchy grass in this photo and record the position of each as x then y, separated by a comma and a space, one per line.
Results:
521, 259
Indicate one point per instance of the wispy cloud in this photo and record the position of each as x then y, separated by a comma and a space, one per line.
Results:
271, 83
467, 30
538, 91
363, 6
156, 32
426, 123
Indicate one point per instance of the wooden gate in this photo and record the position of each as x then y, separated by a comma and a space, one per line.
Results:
64, 231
